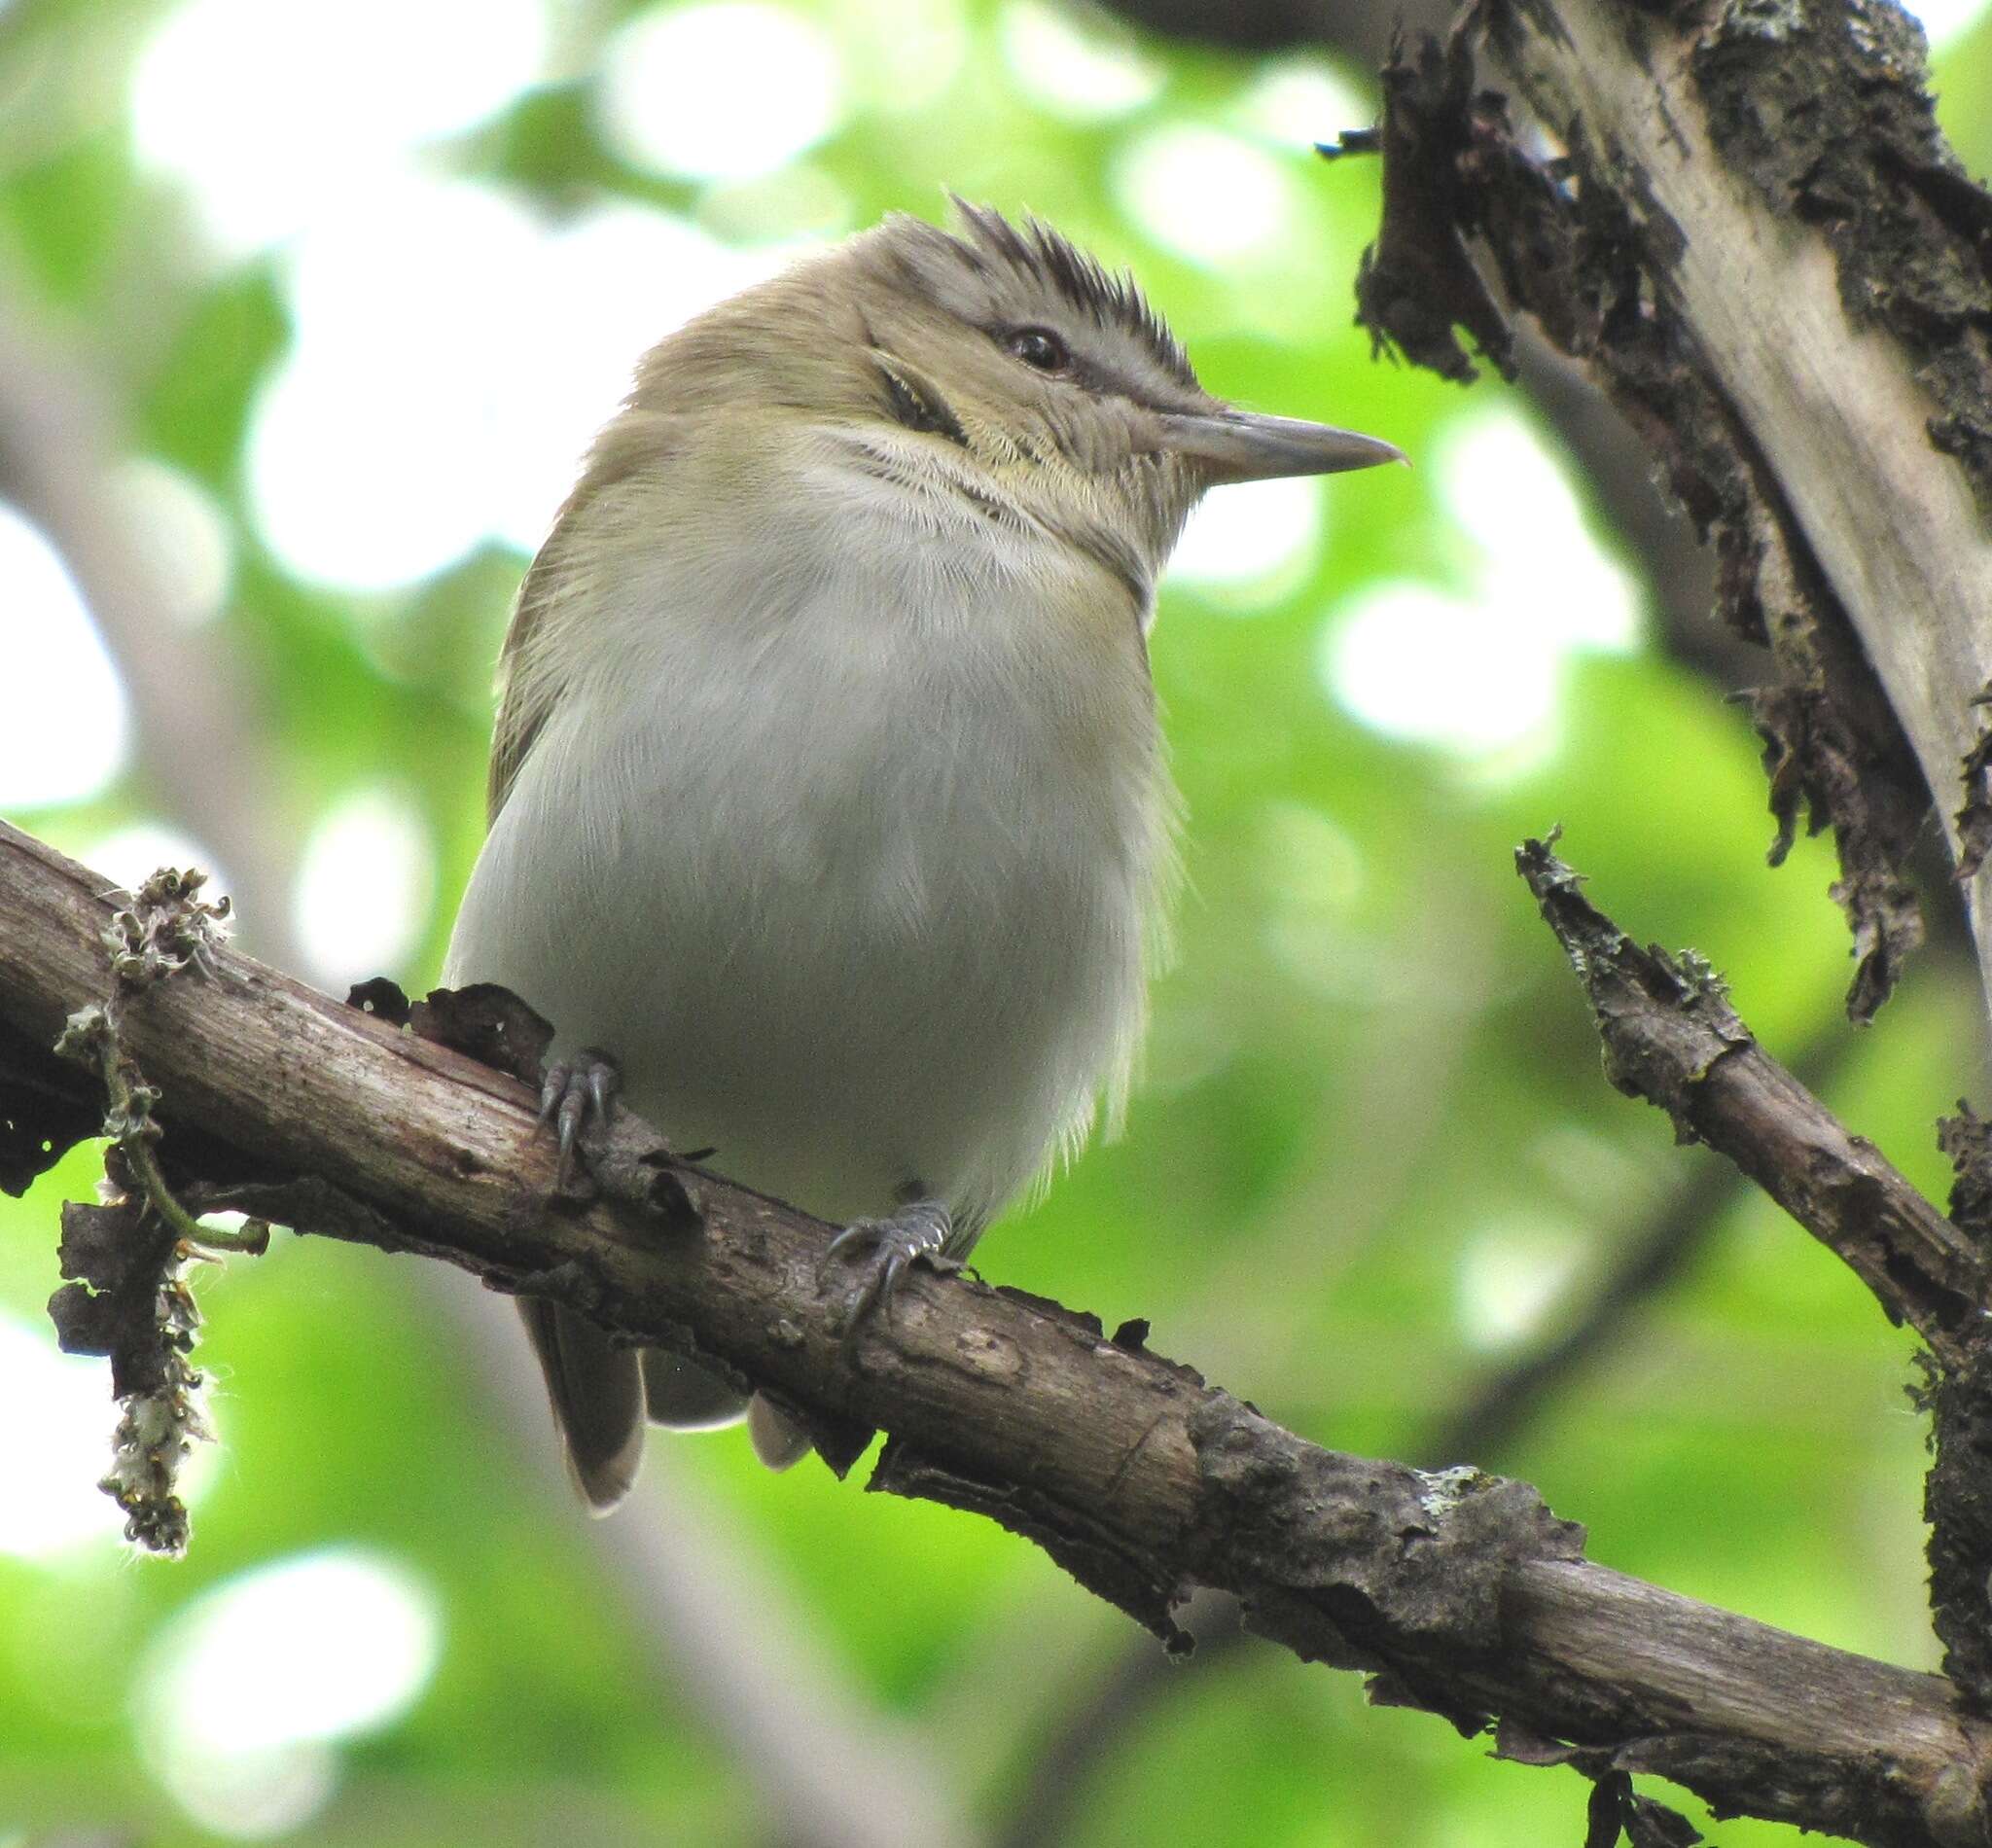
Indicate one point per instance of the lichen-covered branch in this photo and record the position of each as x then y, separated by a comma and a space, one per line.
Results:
1458, 1592
126, 1258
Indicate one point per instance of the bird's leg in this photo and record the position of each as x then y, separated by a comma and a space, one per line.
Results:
921, 1230
573, 1091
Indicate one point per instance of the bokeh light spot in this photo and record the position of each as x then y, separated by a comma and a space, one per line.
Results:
1205, 194
268, 114
1537, 561
1943, 21
1299, 101
364, 888
604, 290
131, 854
51, 1501
1250, 541
70, 737
180, 533
506, 344
1417, 664
1478, 672
904, 53
1512, 1274
1084, 72
800, 202
720, 91
337, 497
243, 1691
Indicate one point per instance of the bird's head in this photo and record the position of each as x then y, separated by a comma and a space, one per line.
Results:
994, 374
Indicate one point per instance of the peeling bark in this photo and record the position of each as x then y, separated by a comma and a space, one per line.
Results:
1756, 239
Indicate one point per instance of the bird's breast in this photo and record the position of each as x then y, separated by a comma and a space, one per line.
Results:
854, 878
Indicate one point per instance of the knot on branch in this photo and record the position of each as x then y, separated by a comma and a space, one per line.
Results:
489, 1023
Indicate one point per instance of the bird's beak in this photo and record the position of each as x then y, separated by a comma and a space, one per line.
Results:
1242, 445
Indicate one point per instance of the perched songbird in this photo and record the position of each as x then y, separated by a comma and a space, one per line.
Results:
828, 803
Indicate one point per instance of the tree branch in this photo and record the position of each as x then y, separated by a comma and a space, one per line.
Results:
1460, 1592
1645, 1262
1833, 448
1672, 1038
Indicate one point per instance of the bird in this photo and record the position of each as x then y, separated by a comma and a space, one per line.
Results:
830, 820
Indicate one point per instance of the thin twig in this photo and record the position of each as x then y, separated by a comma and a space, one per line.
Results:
1672, 1038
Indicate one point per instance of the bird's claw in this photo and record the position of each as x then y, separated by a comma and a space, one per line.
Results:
573, 1091
916, 1232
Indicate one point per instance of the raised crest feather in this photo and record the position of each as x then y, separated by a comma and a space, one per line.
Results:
1035, 253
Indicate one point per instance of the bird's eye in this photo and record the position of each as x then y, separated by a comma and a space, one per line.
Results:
1040, 349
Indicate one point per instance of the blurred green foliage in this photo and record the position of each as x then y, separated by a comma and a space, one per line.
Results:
1372, 1108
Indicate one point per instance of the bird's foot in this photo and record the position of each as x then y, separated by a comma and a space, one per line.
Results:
573, 1091
882, 1248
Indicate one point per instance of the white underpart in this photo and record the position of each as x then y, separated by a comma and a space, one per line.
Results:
845, 844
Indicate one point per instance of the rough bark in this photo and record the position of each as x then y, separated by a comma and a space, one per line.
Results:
1672, 1038
1459, 1592
1754, 235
